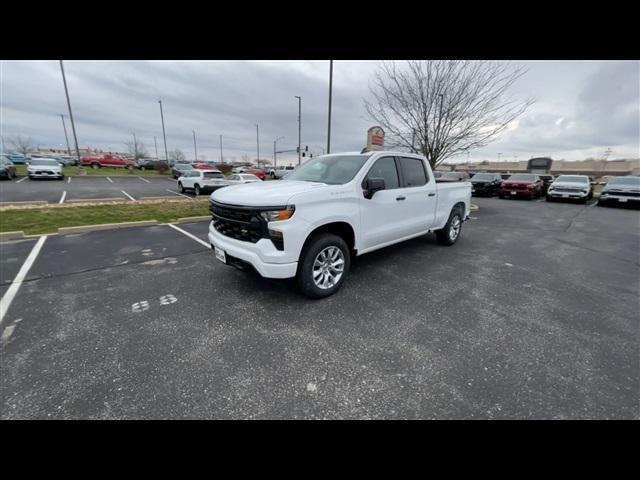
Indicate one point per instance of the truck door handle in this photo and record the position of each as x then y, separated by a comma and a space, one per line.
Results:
432, 194
401, 198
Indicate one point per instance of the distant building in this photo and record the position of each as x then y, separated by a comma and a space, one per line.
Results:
592, 167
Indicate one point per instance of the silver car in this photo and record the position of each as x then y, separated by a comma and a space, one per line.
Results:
570, 187
45, 168
621, 190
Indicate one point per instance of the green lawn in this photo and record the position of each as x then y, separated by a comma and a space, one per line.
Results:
47, 220
76, 171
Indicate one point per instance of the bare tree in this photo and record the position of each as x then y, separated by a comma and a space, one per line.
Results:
22, 145
442, 108
176, 156
136, 148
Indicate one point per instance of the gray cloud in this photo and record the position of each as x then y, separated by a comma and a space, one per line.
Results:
583, 106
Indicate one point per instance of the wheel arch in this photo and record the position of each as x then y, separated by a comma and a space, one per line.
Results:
340, 228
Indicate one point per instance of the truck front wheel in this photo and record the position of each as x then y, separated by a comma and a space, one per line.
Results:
451, 231
323, 266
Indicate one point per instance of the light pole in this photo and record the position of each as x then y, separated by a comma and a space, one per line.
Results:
274, 151
155, 143
195, 148
66, 137
299, 127
73, 125
329, 116
258, 144
164, 134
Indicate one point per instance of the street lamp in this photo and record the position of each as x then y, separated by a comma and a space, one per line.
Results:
299, 127
274, 150
195, 148
164, 134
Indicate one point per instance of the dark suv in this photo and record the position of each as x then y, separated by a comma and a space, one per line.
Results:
546, 181
485, 184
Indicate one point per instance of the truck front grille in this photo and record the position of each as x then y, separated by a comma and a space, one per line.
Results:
242, 223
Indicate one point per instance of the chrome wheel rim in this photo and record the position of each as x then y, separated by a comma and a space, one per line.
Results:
328, 267
454, 230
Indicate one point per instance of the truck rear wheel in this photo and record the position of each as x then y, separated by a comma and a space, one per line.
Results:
95, 165
323, 266
451, 231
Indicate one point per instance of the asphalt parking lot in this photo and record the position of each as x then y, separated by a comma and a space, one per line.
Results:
87, 188
533, 314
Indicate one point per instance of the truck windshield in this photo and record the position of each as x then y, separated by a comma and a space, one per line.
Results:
484, 176
626, 181
523, 177
332, 170
572, 179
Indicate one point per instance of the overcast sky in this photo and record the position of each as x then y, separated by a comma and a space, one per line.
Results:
582, 107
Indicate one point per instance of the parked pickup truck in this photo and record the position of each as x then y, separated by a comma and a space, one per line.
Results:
330, 209
621, 190
108, 161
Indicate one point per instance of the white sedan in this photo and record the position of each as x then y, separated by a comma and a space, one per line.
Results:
201, 180
239, 178
44, 168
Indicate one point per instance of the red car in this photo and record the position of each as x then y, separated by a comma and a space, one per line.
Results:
521, 185
107, 161
257, 172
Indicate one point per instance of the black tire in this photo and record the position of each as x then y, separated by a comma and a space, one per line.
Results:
548, 198
196, 189
446, 235
181, 187
95, 165
500, 195
273, 176
316, 245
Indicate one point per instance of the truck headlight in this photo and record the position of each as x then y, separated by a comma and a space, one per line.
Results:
278, 215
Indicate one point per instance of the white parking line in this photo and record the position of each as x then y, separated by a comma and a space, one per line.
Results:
22, 179
193, 237
181, 194
109, 179
68, 179
144, 179
15, 285
64, 195
130, 197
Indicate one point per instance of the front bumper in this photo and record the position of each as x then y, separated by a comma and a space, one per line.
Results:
37, 174
567, 195
262, 255
517, 193
619, 199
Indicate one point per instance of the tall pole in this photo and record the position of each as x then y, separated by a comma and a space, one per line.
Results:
221, 157
258, 144
274, 151
66, 137
164, 134
299, 128
195, 147
329, 120
155, 143
135, 146
73, 125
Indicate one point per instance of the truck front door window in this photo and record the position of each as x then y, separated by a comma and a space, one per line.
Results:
385, 168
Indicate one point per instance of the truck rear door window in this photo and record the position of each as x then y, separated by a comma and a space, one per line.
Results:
385, 168
413, 172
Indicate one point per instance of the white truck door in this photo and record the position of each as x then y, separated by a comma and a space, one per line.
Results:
419, 190
383, 217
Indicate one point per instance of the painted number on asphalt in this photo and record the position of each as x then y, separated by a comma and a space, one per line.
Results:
140, 306
167, 299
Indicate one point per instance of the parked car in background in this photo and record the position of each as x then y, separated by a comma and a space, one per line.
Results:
280, 171
453, 177
207, 165
240, 169
201, 181
505, 176
108, 161
546, 182
45, 168
17, 159
621, 190
437, 174
332, 208
238, 178
68, 161
487, 184
179, 168
521, 185
571, 187
258, 172
7, 168
146, 163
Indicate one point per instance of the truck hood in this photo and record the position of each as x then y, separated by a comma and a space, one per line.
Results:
264, 194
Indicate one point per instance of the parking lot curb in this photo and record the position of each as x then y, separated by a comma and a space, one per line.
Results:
11, 235
105, 226
34, 202
193, 219
87, 200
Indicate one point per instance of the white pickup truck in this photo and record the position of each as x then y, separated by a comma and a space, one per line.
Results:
330, 209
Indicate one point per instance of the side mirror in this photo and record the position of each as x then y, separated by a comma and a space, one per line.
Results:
373, 185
